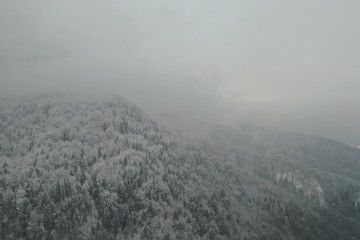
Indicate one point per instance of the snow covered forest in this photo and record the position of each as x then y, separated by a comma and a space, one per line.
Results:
82, 168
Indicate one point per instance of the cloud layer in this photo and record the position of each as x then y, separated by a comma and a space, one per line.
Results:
292, 65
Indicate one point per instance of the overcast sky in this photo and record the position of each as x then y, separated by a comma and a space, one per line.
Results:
292, 65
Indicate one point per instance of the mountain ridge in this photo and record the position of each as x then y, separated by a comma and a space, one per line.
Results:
75, 168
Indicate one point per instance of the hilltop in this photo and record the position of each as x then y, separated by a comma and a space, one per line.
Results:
91, 168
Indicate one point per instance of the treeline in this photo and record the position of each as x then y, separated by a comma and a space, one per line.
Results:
101, 169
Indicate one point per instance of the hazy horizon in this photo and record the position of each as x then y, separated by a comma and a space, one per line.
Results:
292, 66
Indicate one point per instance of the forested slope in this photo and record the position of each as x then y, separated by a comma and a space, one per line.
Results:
319, 178
73, 168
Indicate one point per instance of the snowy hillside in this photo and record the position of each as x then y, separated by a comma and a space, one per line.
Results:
73, 168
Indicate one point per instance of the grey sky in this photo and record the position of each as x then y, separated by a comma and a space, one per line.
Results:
292, 65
